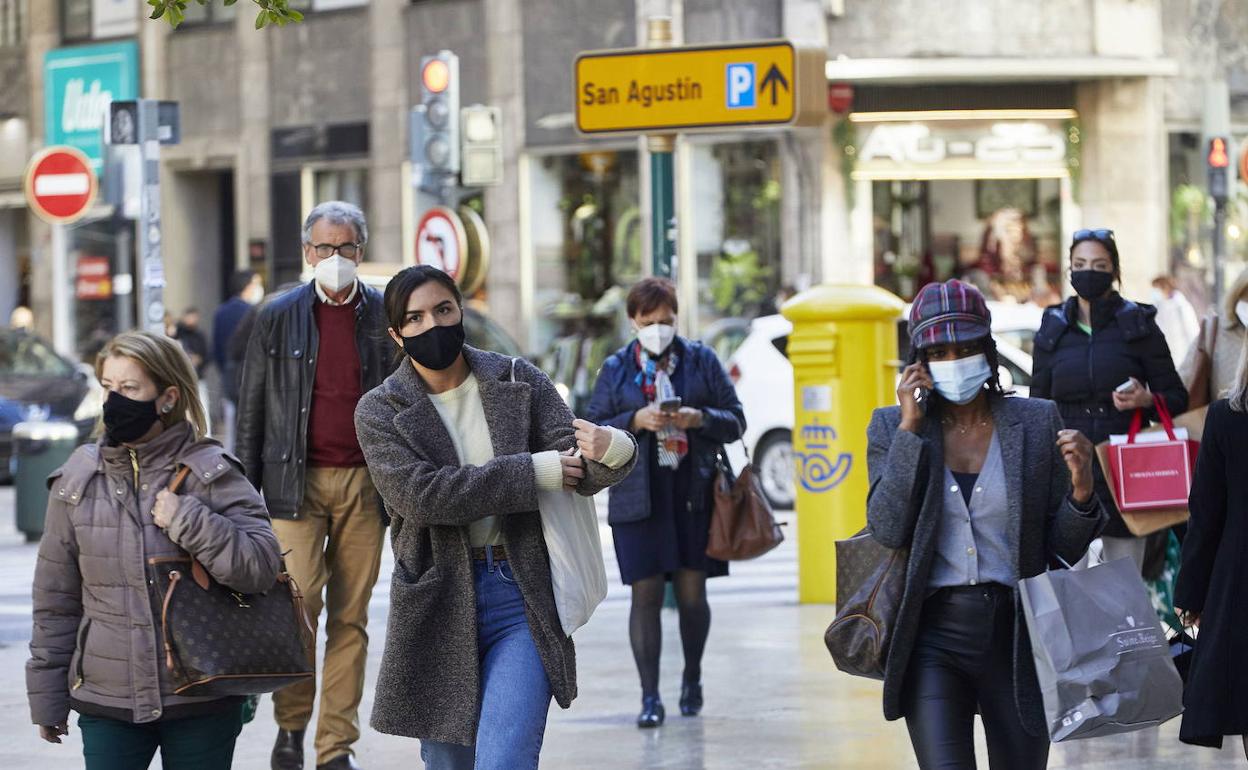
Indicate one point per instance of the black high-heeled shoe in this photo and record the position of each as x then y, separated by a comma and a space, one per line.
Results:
691, 699
652, 712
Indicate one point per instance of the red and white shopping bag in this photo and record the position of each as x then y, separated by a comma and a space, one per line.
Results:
1153, 475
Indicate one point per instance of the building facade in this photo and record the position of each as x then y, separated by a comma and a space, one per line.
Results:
961, 139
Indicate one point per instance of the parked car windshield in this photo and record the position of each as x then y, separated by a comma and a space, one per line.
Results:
25, 355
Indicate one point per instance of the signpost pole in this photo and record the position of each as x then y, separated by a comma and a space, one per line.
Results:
662, 179
151, 262
62, 296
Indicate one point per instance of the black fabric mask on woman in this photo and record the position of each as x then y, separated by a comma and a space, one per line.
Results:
1091, 284
436, 348
127, 420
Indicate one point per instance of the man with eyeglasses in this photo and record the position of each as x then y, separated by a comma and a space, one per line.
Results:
314, 351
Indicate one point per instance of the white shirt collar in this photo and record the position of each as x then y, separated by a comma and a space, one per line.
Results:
320, 293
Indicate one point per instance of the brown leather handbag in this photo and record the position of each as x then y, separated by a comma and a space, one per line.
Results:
742, 525
870, 582
220, 642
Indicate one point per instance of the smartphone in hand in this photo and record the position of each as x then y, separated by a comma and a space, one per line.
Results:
670, 405
1126, 387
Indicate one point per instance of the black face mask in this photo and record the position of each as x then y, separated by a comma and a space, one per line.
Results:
127, 420
1091, 284
436, 348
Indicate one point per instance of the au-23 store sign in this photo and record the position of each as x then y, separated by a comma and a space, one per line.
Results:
960, 145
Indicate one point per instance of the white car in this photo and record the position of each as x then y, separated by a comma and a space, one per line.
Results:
763, 376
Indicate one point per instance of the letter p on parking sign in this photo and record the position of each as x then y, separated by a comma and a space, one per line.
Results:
741, 85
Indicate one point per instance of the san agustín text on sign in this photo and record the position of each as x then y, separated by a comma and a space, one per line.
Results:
680, 90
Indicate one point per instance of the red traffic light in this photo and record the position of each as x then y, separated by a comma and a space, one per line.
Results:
1217, 153
436, 76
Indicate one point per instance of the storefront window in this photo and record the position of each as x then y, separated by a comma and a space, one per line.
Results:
1002, 235
587, 246
11, 22
76, 19
736, 200
341, 184
93, 259
209, 13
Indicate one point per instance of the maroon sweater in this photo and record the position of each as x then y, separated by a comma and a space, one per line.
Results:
335, 391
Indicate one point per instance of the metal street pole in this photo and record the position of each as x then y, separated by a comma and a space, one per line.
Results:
151, 262
662, 178
1219, 249
63, 338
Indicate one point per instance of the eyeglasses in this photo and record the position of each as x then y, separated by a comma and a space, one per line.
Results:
326, 250
1100, 234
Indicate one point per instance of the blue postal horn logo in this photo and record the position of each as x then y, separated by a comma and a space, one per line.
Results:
817, 470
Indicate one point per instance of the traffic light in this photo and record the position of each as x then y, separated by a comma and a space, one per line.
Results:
1218, 162
482, 152
435, 140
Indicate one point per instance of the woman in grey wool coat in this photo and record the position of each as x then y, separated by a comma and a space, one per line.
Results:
459, 442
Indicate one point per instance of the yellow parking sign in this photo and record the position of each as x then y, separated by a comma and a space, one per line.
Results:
699, 87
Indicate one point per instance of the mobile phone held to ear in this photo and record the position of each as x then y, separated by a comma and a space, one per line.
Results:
670, 405
921, 397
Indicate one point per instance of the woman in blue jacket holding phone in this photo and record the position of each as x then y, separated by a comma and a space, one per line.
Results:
674, 395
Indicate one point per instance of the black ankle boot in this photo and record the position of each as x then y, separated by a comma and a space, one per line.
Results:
652, 712
287, 750
691, 699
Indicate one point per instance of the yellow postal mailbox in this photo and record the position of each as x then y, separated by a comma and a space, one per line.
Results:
844, 353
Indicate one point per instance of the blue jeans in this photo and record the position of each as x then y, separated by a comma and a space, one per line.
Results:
515, 693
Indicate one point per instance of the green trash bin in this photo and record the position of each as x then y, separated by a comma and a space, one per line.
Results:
38, 449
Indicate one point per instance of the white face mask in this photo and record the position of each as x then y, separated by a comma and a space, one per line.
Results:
656, 338
960, 381
335, 274
1241, 311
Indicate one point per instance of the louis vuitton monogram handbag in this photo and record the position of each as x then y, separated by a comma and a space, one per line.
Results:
219, 642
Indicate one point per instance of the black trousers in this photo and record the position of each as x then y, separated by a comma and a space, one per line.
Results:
963, 662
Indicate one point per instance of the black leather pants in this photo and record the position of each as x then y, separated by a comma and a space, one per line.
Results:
963, 663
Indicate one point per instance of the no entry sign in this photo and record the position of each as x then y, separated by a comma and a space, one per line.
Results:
60, 184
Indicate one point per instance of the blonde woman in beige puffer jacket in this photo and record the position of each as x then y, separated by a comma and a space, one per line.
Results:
94, 647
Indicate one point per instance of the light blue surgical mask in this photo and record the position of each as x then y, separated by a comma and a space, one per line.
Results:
960, 381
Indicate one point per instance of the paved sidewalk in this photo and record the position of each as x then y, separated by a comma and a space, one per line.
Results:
774, 699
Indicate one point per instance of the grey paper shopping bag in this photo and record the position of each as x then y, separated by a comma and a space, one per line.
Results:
1101, 656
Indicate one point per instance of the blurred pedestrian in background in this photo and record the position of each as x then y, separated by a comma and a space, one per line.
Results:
92, 648
246, 291
1101, 357
193, 340
1209, 591
1212, 363
1175, 317
22, 318
460, 441
314, 351
675, 396
984, 490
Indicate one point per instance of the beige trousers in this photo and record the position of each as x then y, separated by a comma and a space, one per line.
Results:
334, 555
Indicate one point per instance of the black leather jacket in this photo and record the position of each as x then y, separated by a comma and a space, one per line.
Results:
276, 393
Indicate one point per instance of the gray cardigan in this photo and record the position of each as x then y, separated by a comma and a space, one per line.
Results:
905, 506
429, 686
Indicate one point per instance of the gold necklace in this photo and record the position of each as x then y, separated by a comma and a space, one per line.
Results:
983, 422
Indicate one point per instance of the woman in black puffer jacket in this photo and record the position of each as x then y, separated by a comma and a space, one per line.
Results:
1090, 345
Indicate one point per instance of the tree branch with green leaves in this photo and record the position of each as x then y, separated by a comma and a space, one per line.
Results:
276, 12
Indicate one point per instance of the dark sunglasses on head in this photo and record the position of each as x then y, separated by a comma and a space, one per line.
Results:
1100, 234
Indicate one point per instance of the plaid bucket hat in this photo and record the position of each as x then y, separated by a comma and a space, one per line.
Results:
950, 312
